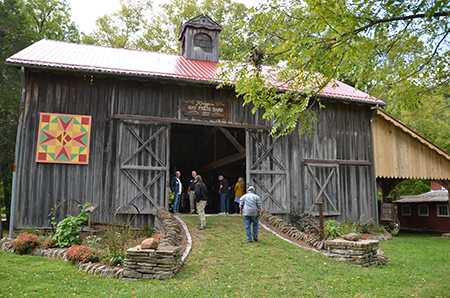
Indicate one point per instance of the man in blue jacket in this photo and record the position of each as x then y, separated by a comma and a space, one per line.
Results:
250, 207
177, 188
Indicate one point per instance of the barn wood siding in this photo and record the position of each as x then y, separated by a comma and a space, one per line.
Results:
342, 134
399, 155
41, 186
153, 99
342, 140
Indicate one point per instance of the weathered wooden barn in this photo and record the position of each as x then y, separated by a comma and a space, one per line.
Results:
148, 114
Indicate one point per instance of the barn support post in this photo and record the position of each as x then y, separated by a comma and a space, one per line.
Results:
373, 167
14, 179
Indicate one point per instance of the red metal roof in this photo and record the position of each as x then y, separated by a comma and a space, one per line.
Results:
72, 56
434, 196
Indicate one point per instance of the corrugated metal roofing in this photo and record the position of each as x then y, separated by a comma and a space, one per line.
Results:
72, 56
434, 196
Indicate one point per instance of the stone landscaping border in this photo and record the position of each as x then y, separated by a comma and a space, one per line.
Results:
188, 249
291, 231
164, 261
364, 253
166, 223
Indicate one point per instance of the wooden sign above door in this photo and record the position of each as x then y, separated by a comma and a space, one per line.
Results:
206, 108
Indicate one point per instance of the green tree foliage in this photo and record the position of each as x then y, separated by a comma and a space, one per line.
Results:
22, 23
139, 25
395, 50
14, 36
410, 187
122, 28
51, 19
431, 119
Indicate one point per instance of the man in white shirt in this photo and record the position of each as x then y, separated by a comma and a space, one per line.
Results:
250, 207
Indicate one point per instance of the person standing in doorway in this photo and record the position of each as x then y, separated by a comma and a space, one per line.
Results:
201, 197
191, 192
224, 191
239, 191
251, 205
177, 188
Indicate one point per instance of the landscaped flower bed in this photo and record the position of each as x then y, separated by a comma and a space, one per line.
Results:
102, 254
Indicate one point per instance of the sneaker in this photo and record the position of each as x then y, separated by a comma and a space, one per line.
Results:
202, 228
226, 212
255, 238
222, 213
249, 241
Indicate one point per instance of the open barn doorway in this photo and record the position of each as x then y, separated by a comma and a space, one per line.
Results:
210, 151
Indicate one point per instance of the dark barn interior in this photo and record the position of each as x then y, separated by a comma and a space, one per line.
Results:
210, 151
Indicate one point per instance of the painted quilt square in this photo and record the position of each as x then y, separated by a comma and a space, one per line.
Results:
63, 138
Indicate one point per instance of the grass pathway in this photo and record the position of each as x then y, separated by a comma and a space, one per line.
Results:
222, 264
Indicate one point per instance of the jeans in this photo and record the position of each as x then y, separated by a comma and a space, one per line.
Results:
248, 221
236, 207
224, 202
176, 203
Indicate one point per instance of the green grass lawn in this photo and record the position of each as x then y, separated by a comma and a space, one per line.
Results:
222, 264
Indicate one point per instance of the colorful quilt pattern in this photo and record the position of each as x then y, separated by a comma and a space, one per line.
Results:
63, 139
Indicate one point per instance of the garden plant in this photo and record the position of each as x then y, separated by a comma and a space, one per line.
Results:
223, 264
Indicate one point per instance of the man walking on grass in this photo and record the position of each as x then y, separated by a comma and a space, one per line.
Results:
250, 206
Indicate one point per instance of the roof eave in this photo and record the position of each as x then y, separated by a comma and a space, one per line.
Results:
119, 74
169, 79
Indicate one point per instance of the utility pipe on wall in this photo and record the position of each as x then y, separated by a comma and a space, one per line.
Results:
373, 166
19, 131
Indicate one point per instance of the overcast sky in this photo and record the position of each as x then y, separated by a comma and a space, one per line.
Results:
86, 12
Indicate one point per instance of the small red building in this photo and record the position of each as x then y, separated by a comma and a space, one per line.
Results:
426, 212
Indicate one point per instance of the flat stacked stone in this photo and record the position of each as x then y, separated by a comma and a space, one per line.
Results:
362, 252
160, 263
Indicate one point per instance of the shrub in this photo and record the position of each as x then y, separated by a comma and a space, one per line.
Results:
94, 242
24, 242
117, 259
332, 229
80, 253
146, 230
46, 242
304, 221
366, 225
349, 226
394, 232
67, 233
98, 247
382, 230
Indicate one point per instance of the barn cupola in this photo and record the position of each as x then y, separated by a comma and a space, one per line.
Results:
200, 38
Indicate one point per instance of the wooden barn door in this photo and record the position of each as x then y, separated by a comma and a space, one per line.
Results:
267, 170
322, 184
143, 158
